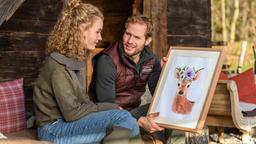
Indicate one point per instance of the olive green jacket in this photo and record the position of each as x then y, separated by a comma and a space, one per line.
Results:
60, 92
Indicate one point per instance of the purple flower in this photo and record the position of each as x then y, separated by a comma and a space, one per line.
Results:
189, 73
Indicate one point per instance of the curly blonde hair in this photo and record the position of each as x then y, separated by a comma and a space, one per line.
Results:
65, 36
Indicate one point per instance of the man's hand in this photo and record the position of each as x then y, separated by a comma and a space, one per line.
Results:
149, 124
164, 59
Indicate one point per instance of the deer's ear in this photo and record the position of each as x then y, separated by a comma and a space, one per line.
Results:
177, 74
197, 74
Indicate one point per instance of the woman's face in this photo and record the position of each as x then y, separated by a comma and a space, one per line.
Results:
92, 35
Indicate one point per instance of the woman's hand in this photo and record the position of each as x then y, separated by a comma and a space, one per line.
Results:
149, 124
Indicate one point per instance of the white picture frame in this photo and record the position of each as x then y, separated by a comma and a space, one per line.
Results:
186, 87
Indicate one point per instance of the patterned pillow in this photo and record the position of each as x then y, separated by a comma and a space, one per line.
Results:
12, 109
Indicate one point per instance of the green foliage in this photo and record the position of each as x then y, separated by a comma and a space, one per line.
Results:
245, 30
246, 24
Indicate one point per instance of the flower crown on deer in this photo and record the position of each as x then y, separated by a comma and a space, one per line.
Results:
187, 73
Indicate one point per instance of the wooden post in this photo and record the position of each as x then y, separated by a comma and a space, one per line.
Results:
157, 11
8, 8
137, 7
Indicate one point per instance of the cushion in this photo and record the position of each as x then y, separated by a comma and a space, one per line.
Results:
246, 86
12, 109
223, 76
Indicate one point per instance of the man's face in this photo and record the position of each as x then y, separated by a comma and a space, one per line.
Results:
134, 40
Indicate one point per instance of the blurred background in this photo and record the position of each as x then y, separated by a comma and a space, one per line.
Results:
234, 29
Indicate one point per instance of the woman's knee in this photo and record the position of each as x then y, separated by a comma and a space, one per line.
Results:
127, 121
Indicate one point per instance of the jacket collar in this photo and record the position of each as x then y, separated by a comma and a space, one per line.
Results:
70, 63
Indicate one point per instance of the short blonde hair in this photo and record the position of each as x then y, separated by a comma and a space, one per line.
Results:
64, 38
141, 19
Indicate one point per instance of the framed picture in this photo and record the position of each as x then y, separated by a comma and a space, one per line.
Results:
186, 86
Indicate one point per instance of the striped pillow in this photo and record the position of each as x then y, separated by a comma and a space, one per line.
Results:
12, 109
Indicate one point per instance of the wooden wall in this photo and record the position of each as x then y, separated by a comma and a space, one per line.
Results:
23, 37
22, 43
189, 22
157, 11
115, 12
178, 23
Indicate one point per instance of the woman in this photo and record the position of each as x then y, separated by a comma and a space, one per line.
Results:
64, 113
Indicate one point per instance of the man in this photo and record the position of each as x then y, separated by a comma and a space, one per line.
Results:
122, 71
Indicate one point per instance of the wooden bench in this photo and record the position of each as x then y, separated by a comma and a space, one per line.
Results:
29, 135
225, 111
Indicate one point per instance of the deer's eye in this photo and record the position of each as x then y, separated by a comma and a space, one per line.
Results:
178, 84
188, 85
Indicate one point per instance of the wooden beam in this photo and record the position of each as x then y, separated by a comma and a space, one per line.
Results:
137, 7
8, 8
157, 11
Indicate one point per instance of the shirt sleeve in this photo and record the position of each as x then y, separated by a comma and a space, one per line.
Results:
72, 106
105, 74
154, 76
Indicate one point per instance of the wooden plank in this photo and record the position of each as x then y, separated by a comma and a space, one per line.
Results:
157, 11
25, 25
20, 41
113, 6
220, 105
13, 8
38, 10
189, 9
34, 16
221, 99
15, 64
189, 23
113, 27
188, 40
217, 111
219, 121
137, 7
7, 9
183, 26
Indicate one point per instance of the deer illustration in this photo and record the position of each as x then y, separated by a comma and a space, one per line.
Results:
185, 76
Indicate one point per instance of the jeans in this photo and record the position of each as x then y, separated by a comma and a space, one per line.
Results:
90, 129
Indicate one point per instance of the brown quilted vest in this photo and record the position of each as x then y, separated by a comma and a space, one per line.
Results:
130, 85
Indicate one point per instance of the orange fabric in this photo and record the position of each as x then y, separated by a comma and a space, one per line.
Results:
223, 76
246, 86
